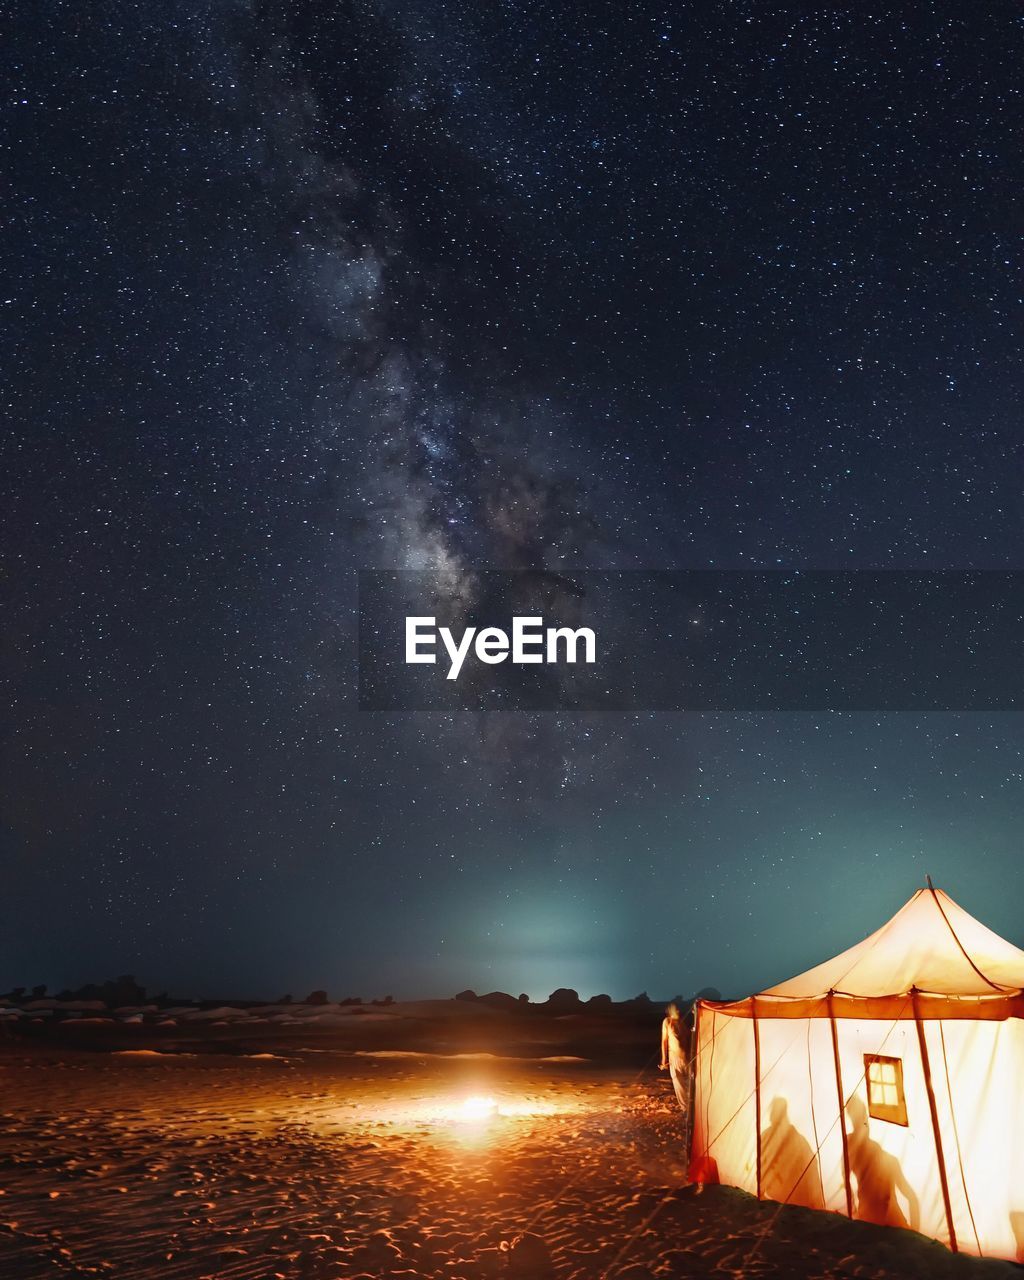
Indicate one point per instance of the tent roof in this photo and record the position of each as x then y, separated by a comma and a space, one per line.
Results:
930, 945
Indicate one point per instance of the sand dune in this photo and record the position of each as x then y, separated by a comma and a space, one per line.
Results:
314, 1166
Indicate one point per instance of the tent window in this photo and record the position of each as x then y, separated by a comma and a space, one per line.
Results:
886, 1100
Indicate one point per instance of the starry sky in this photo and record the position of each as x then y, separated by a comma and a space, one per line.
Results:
295, 290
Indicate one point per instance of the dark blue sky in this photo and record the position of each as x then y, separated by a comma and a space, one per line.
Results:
299, 290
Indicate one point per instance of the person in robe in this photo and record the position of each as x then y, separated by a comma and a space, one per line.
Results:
673, 1051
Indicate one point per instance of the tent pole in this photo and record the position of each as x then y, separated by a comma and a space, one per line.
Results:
757, 1088
696, 1051
842, 1107
940, 1158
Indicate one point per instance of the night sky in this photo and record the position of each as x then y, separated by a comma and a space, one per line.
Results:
298, 289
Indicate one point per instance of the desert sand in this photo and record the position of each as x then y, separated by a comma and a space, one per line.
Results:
312, 1161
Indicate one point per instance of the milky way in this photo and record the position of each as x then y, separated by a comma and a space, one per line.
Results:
302, 290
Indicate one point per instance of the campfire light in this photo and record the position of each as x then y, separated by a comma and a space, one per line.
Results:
472, 1116
476, 1109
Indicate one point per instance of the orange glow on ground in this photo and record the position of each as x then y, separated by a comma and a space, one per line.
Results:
475, 1109
468, 1115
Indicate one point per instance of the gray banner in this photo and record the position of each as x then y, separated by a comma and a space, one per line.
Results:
692, 640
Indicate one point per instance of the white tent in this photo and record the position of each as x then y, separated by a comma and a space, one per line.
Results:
885, 1084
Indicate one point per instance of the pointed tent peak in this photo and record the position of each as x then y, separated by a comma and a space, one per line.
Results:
931, 944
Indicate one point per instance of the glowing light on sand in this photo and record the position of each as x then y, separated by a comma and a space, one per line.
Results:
480, 1109
476, 1109
471, 1116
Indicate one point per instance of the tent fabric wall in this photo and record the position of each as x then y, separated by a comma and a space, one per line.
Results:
981, 1120
800, 1115
910, 1150
724, 1101
767, 1115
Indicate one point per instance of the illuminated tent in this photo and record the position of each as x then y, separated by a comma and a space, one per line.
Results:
885, 1084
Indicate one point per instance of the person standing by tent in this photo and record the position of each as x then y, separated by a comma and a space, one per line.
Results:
673, 1050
